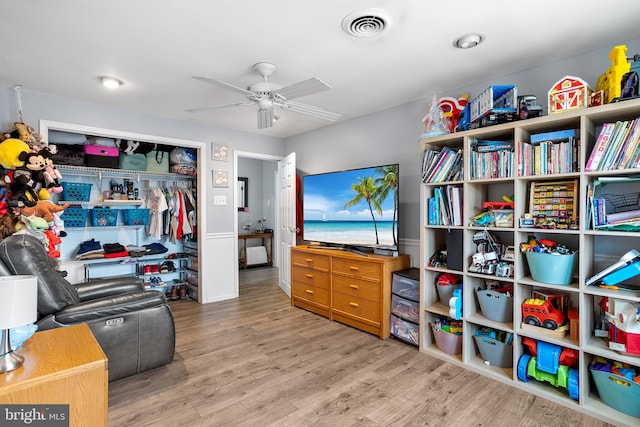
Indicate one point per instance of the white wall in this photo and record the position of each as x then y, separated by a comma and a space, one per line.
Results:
38, 106
392, 135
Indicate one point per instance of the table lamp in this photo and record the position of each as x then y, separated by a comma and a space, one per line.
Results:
18, 307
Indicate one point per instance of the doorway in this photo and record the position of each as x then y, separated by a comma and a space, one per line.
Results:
259, 207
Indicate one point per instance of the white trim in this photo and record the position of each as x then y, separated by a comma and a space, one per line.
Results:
276, 239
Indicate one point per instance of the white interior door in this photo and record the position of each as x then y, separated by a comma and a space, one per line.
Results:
287, 189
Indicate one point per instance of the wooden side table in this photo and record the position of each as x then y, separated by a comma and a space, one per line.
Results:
243, 251
61, 366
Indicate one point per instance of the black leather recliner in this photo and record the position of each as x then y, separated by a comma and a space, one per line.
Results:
133, 326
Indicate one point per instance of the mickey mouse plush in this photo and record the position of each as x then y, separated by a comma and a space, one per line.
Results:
26, 179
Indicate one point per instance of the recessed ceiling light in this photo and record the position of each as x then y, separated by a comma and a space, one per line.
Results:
110, 82
468, 41
366, 23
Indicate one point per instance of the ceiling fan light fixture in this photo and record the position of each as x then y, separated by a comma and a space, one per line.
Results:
468, 41
110, 82
366, 23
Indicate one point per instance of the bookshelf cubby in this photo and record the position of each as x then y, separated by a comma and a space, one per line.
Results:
596, 249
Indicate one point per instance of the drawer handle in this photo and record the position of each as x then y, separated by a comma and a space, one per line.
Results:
309, 291
356, 287
309, 276
354, 304
310, 260
354, 269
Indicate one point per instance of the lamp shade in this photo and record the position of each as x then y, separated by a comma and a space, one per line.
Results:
19, 302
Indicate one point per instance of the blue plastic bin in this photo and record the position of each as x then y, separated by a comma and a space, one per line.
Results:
554, 269
618, 392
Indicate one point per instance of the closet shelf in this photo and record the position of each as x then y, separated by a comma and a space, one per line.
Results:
118, 173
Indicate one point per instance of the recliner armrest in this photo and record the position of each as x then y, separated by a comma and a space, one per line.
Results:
109, 286
110, 306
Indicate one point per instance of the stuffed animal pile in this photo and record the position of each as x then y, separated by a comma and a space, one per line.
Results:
29, 177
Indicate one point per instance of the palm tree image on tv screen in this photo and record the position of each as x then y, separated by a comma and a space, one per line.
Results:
356, 207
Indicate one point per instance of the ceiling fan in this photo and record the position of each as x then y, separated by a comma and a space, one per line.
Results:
267, 95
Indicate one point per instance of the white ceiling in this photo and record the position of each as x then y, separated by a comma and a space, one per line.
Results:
156, 46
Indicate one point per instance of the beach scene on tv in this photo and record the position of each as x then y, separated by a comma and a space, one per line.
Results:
354, 207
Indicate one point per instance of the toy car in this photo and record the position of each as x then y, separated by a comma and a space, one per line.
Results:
539, 312
528, 107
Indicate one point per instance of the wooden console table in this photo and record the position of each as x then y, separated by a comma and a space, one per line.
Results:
61, 366
263, 236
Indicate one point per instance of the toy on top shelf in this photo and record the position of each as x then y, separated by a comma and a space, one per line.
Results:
496, 104
435, 122
453, 108
610, 81
528, 107
569, 93
550, 363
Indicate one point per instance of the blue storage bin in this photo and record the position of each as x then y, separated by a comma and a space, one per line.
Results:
75, 191
104, 217
74, 217
617, 392
554, 269
135, 216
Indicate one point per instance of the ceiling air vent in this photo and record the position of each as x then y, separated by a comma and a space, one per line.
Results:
366, 23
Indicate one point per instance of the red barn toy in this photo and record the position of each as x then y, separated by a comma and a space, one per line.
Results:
569, 93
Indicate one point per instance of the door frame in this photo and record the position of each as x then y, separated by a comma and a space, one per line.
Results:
276, 235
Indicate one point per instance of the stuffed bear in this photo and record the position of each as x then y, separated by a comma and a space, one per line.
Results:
27, 134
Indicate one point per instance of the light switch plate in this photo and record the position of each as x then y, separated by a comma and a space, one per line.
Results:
219, 200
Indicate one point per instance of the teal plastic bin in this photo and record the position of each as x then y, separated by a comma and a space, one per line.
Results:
554, 269
617, 392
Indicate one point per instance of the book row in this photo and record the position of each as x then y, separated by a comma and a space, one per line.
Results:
617, 146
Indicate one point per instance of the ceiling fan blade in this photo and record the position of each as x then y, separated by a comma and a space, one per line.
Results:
310, 110
202, 109
224, 85
303, 88
265, 118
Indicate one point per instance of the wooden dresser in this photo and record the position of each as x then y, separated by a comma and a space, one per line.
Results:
61, 366
346, 287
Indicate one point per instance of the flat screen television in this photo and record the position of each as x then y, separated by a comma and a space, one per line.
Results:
356, 208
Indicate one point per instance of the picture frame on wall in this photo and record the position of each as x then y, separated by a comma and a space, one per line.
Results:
220, 178
220, 152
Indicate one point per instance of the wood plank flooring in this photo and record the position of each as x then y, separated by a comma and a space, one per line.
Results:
258, 361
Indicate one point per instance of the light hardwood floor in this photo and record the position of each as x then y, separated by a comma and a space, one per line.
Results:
258, 361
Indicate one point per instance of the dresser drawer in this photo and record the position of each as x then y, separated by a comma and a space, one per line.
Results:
357, 288
359, 307
311, 293
310, 277
355, 268
314, 261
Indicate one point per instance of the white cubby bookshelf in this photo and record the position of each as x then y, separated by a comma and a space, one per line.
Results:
597, 249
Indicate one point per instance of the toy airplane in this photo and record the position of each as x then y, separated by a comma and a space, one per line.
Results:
621, 270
